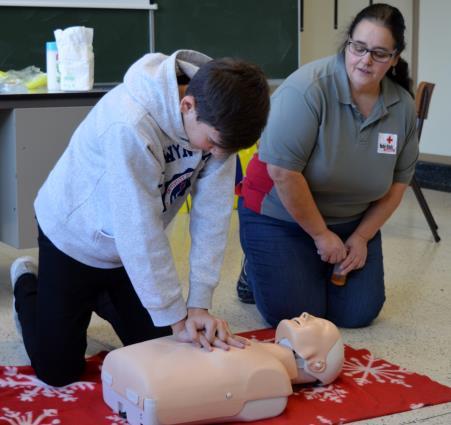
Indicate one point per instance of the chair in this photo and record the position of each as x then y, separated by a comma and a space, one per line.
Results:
422, 101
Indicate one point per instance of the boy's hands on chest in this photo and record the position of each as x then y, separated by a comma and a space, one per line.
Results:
206, 331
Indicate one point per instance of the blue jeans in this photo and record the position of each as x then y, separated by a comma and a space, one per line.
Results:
288, 277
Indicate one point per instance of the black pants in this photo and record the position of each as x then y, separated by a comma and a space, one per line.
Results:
55, 310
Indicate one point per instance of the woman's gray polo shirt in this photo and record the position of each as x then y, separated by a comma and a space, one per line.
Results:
348, 161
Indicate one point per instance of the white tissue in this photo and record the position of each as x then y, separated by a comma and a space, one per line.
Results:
75, 58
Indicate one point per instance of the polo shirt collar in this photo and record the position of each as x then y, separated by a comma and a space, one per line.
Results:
389, 92
388, 97
342, 88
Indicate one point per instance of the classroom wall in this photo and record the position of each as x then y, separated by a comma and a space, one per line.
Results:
320, 38
434, 65
431, 61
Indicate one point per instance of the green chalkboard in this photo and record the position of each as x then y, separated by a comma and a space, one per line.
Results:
262, 31
120, 36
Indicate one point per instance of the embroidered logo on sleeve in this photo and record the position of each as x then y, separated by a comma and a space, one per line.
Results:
176, 187
387, 143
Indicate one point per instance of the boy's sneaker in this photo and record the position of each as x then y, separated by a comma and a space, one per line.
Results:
245, 294
19, 267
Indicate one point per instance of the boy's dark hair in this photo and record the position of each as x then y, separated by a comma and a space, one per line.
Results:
232, 96
391, 18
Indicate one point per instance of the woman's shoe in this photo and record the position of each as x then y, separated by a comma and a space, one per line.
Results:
244, 292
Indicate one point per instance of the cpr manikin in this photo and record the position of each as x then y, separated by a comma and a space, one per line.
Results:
163, 381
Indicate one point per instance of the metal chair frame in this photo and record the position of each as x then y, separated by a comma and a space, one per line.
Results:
422, 101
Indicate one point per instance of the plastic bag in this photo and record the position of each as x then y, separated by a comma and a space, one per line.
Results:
29, 78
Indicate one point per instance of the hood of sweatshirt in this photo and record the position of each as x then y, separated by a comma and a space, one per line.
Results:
152, 82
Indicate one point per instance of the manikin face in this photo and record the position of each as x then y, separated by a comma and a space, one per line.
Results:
364, 73
316, 342
308, 327
201, 136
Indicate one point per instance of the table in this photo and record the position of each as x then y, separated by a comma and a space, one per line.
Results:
35, 128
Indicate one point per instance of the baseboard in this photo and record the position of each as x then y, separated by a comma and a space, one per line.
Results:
438, 159
433, 175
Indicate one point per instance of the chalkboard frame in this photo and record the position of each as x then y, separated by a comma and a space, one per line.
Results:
85, 4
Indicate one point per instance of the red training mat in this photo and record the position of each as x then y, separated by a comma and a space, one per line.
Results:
367, 388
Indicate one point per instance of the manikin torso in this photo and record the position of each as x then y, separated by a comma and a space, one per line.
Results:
163, 381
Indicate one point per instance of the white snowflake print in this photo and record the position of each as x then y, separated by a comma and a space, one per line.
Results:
414, 406
333, 393
26, 418
32, 387
117, 420
374, 370
254, 338
323, 420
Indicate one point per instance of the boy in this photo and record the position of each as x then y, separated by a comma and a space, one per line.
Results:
168, 130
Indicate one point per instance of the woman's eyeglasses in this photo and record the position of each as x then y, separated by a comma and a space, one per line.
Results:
379, 55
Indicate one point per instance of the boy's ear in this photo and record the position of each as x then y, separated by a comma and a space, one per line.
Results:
187, 104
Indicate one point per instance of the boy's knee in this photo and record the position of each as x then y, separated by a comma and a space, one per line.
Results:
58, 374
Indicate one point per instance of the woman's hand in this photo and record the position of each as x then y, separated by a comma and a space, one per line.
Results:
206, 331
330, 247
297, 198
357, 253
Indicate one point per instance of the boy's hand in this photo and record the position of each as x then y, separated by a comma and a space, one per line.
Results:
206, 331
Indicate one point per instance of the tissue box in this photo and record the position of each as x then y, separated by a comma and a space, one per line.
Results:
75, 58
76, 75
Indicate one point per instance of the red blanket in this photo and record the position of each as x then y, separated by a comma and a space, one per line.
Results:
367, 387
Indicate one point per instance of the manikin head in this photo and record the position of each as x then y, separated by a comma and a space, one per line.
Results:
317, 346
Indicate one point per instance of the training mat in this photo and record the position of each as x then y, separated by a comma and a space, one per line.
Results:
368, 387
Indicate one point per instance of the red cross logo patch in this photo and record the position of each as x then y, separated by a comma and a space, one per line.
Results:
387, 143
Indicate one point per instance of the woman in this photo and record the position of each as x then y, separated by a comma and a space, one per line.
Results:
338, 152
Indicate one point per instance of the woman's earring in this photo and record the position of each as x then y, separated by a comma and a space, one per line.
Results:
393, 71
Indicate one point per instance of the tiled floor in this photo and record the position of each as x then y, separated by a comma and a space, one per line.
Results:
413, 330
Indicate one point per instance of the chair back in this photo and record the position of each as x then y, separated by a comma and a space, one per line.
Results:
422, 101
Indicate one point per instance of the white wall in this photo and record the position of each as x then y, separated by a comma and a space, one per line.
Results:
433, 57
320, 39
434, 65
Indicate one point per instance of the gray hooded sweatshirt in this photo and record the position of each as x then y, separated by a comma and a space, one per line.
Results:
126, 172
